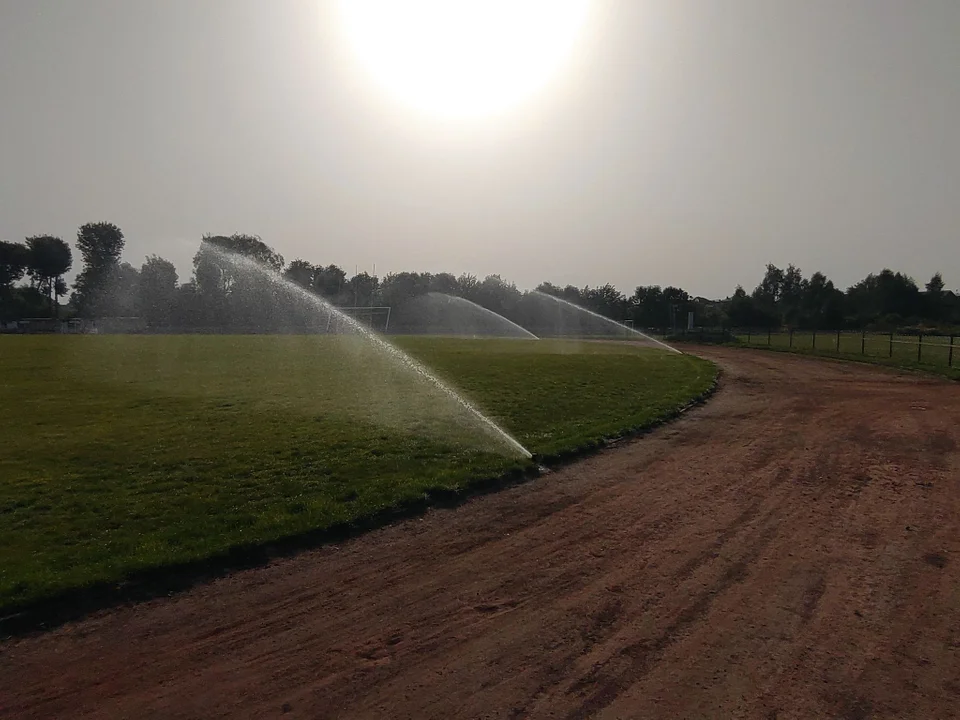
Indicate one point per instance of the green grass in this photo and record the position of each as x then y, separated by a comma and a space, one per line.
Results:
906, 351
125, 453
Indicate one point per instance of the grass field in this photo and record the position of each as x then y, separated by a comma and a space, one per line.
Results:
124, 453
931, 354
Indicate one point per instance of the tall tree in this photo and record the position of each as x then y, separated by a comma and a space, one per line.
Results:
300, 272
468, 286
677, 301
329, 281
445, 283
648, 308
14, 259
606, 300
249, 246
792, 290
158, 291
214, 276
822, 306
362, 289
933, 300
100, 245
885, 299
769, 292
125, 290
50, 258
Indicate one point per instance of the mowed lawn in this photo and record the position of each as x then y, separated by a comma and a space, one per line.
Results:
122, 453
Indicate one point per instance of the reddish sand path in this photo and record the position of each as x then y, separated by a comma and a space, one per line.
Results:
791, 550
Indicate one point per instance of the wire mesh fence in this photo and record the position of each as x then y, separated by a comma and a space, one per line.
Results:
924, 349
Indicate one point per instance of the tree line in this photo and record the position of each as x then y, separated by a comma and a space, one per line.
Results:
217, 296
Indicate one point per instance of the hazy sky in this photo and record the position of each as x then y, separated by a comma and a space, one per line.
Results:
688, 143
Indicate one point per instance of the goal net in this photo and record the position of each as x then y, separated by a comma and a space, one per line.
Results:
375, 318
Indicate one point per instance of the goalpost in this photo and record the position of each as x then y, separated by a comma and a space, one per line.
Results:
376, 318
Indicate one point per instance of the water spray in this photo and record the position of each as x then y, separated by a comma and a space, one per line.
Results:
488, 426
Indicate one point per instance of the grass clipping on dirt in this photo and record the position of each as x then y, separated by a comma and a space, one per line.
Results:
127, 453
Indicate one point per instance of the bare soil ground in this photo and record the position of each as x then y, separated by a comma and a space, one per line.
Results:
791, 550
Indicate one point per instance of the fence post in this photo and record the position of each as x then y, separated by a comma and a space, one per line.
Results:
920, 347
769, 335
814, 338
791, 338
748, 336
950, 353
838, 341
863, 342
891, 344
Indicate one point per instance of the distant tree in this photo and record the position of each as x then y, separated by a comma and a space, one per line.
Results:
398, 288
495, 294
648, 307
23, 302
709, 313
743, 311
124, 291
935, 286
822, 304
445, 283
934, 299
572, 294
884, 300
329, 281
677, 301
249, 246
362, 289
187, 310
100, 245
14, 259
468, 286
158, 291
49, 258
605, 300
769, 292
548, 288
300, 272
793, 288
227, 296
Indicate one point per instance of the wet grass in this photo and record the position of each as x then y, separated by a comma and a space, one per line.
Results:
126, 453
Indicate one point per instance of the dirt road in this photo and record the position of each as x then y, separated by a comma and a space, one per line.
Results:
790, 550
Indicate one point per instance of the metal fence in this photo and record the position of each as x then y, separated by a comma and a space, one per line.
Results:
926, 349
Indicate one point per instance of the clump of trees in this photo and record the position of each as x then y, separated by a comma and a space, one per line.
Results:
217, 297
883, 301
44, 259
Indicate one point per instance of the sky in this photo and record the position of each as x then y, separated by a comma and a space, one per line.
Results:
683, 143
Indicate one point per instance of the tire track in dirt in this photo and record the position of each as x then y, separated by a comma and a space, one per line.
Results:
790, 550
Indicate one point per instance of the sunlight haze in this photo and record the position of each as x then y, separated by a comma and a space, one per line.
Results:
631, 142
474, 58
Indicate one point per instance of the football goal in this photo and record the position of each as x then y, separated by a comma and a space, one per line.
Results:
375, 318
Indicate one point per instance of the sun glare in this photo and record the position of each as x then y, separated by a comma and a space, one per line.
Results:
462, 58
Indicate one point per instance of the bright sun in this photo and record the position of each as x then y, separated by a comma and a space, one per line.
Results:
463, 58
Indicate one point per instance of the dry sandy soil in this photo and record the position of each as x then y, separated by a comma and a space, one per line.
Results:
790, 550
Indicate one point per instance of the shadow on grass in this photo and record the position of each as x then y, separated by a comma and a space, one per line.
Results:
142, 585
